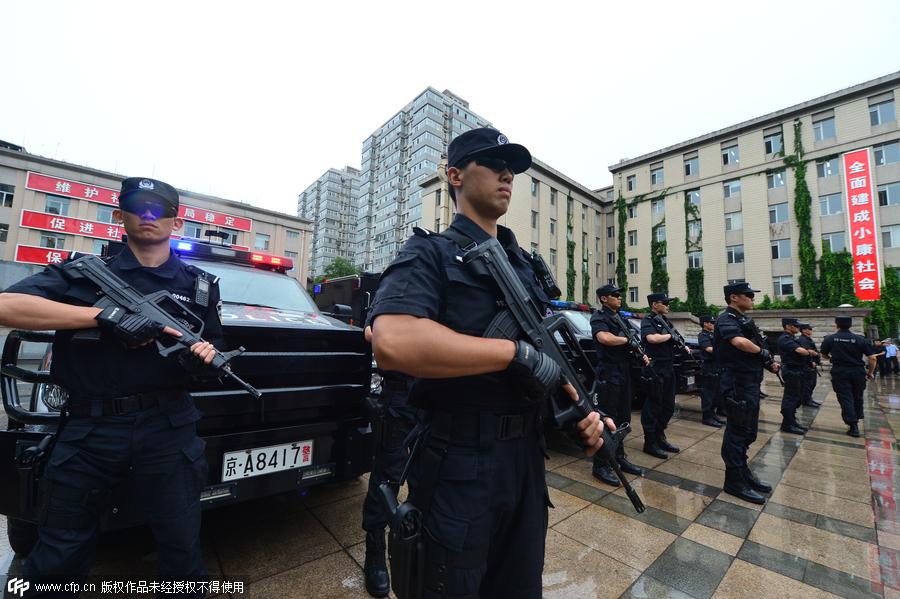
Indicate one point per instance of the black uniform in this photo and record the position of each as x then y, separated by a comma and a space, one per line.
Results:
659, 404
152, 438
810, 373
742, 374
487, 520
613, 369
793, 370
848, 373
710, 392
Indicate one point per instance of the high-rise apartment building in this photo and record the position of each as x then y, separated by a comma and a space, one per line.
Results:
395, 159
330, 204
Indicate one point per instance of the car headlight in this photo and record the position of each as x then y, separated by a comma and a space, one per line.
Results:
52, 396
375, 381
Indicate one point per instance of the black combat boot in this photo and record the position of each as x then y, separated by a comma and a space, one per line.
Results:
628, 467
651, 447
665, 445
755, 483
793, 428
736, 485
605, 473
853, 431
378, 583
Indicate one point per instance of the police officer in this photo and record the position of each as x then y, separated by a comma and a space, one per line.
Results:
613, 370
794, 364
739, 346
848, 376
396, 420
710, 394
811, 373
660, 402
128, 411
479, 476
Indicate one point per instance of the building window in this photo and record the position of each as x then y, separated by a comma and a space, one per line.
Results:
824, 129
656, 175
731, 188
773, 143
887, 153
781, 248
774, 180
632, 266
632, 238
294, 258
831, 204
191, 230
6, 195
694, 229
552, 257
4, 231
890, 236
553, 226
534, 219
552, 197
833, 242
783, 286
534, 187
734, 221
693, 196
597, 245
292, 234
778, 213
827, 168
610, 232
97, 246
695, 259
633, 295
663, 261
534, 248
49, 240
632, 211
105, 214
659, 233
691, 166
735, 254
262, 242
889, 195
583, 213
730, 153
658, 206
882, 113
232, 238
57, 205
629, 183
611, 258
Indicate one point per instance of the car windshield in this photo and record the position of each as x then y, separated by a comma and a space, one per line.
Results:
581, 320
257, 287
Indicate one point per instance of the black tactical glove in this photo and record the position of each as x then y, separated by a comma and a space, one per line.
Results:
534, 372
766, 356
131, 329
634, 344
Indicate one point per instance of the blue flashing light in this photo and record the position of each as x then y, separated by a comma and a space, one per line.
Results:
317, 288
559, 304
626, 314
184, 246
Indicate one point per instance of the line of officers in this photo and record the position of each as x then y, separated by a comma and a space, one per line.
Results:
733, 354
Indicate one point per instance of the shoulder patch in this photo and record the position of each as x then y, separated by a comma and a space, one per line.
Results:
422, 232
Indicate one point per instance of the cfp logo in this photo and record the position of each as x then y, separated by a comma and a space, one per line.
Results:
17, 586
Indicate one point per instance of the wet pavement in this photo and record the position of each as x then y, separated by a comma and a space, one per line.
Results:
831, 526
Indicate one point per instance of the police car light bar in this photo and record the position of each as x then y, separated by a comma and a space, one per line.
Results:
204, 250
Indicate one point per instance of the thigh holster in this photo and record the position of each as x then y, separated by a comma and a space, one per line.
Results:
69, 507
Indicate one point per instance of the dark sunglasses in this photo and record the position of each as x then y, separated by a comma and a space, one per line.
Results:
615, 295
750, 294
498, 165
141, 207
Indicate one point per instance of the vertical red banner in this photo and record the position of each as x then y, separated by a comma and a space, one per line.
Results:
862, 210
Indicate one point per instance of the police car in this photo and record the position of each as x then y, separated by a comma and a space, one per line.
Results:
310, 426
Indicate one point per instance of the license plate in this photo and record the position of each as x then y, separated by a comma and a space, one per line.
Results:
266, 460
690, 381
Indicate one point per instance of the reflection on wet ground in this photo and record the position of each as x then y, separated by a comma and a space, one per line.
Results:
830, 527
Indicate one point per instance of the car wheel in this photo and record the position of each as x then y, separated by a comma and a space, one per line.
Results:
22, 535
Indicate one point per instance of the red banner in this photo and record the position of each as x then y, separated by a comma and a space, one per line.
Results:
37, 255
862, 210
110, 197
72, 226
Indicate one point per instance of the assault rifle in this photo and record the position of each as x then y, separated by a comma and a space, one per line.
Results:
524, 320
760, 340
116, 292
677, 340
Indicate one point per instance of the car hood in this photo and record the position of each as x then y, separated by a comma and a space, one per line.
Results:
234, 314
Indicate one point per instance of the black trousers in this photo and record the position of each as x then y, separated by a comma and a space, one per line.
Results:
849, 383
794, 383
710, 391
810, 379
614, 397
659, 404
740, 392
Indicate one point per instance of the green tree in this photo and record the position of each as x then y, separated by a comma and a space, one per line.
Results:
339, 267
886, 311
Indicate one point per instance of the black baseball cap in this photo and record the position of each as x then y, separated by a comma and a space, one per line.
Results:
658, 297
739, 288
707, 318
487, 141
608, 290
805, 325
139, 193
790, 321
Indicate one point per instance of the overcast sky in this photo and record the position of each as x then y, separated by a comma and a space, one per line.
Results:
254, 101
